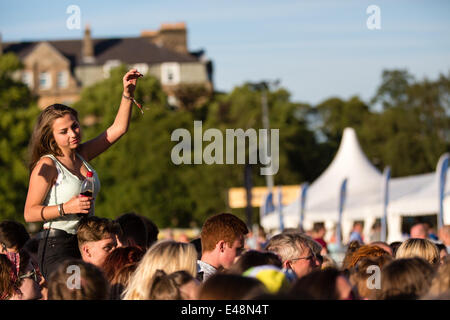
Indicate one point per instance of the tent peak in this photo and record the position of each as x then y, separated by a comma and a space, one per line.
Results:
349, 162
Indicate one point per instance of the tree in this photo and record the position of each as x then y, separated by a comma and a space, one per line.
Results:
18, 111
191, 96
413, 131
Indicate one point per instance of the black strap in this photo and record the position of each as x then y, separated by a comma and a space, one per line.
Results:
46, 232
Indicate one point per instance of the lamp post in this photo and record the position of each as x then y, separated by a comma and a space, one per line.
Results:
263, 87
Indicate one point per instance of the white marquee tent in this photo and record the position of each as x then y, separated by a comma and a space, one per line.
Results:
408, 196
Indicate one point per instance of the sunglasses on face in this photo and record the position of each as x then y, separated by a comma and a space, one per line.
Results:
32, 275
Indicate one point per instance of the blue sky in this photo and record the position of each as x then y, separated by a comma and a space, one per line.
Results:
317, 48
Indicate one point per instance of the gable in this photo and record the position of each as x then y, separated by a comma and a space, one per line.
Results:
46, 56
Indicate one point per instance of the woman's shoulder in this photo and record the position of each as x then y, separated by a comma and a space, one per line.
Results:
47, 159
45, 166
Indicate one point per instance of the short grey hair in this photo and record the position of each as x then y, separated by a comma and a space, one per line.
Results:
290, 245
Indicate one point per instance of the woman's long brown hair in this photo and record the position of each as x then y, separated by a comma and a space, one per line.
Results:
42, 141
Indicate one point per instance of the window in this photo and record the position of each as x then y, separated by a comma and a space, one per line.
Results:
45, 80
170, 73
27, 78
62, 79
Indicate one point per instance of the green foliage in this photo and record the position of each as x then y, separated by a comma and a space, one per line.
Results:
18, 112
413, 131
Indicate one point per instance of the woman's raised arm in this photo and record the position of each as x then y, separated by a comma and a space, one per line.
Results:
92, 148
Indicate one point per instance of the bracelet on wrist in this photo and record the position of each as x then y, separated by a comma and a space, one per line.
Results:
135, 102
61, 210
42, 214
128, 98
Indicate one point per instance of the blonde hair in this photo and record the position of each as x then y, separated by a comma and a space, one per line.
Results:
168, 256
422, 248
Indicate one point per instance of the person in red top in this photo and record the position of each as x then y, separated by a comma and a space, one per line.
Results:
318, 234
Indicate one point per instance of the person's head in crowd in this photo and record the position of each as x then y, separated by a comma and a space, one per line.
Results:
166, 255
97, 238
444, 235
152, 231
357, 227
28, 281
375, 230
118, 267
431, 233
275, 280
356, 233
360, 273
187, 284
405, 279
328, 262
253, 258
222, 240
441, 280
16, 242
9, 289
183, 238
13, 236
221, 286
422, 248
31, 247
351, 248
319, 230
394, 246
31, 282
134, 230
418, 231
77, 280
297, 251
443, 253
383, 245
179, 285
365, 251
318, 234
328, 284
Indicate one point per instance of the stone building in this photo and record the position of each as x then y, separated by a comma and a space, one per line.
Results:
56, 71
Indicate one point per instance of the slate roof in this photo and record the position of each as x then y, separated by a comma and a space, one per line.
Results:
127, 50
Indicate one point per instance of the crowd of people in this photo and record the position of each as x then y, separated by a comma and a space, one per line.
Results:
80, 256
127, 259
